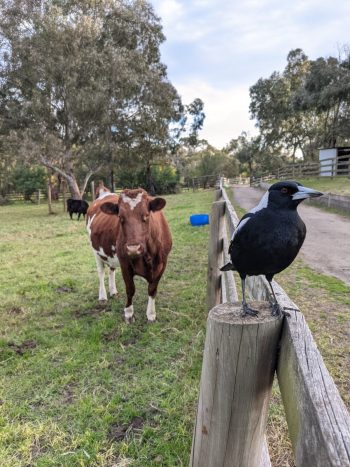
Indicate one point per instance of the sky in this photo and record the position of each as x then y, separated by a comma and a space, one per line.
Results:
216, 50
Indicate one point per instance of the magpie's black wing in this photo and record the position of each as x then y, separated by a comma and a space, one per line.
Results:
239, 228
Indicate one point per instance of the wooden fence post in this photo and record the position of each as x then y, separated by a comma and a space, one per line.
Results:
215, 253
93, 191
237, 374
49, 198
63, 189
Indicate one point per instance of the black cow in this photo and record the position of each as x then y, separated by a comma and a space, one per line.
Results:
77, 206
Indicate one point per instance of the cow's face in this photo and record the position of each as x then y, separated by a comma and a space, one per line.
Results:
134, 210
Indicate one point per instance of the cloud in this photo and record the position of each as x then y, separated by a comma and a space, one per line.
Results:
226, 110
216, 50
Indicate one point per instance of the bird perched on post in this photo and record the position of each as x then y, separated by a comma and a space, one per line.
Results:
269, 237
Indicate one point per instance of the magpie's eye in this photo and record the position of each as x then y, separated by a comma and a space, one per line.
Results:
284, 190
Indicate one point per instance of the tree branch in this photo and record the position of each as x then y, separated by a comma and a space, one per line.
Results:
55, 168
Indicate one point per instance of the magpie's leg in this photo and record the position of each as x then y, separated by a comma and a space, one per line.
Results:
246, 310
277, 310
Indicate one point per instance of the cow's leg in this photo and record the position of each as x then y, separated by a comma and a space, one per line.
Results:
111, 282
102, 294
151, 306
152, 292
130, 292
79, 213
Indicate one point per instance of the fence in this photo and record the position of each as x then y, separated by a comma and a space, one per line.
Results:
205, 181
37, 197
332, 167
240, 358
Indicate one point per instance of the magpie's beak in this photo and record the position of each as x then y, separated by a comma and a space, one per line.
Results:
304, 192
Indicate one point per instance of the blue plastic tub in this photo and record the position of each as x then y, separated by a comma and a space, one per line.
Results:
199, 219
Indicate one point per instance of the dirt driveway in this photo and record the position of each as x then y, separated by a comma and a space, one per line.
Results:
327, 245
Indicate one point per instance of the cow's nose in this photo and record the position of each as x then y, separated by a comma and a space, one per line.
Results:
134, 250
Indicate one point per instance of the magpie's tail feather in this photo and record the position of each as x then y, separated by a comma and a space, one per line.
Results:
228, 267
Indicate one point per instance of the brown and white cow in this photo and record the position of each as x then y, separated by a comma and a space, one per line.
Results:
130, 230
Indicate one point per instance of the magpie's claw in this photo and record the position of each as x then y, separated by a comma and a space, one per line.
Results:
246, 310
278, 311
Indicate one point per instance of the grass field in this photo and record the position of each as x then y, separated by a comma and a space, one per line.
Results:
336, 185
79, 387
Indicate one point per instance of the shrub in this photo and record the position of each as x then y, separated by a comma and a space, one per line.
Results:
27, 180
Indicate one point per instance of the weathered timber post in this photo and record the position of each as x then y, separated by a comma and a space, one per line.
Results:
49, 197
237, 374
93, 197
215, 254
63, 189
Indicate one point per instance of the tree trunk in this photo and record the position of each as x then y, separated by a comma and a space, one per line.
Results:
73, 187
150, 184
112, 181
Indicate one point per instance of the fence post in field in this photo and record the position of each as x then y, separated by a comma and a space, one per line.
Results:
237, 374
215, 256
93, 191
63, 189
39, 194
49, 198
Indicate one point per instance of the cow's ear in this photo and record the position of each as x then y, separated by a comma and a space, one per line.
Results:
110, 208
157, 204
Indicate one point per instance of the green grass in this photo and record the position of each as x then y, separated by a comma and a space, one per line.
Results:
78, 386
336, 185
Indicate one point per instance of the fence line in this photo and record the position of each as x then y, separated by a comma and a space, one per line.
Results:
331, 167
318, 421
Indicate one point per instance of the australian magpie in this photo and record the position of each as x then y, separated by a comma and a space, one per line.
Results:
269, 237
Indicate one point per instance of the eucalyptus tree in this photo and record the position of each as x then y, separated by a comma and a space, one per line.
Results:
326, 92
81, 84
280, 123
306, 106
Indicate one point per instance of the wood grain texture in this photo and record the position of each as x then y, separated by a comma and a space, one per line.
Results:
229, 292
237, 374
318, 421
215, 254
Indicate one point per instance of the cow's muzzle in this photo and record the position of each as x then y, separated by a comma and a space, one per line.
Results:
134, 250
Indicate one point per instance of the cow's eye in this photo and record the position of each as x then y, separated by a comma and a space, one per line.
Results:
122, 220
284, 190
145, 218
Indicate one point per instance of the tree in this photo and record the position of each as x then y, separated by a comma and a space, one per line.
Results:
326, 92
280, 124
306, 106
81, 84
28, 180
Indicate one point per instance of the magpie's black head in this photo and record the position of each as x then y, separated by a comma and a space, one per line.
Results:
288, 194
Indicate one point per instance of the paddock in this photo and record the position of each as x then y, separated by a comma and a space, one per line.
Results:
78, 385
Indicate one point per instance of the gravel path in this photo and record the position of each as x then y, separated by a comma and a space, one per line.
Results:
327, 245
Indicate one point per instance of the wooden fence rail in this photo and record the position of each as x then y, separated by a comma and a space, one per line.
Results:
332, 167
234, 394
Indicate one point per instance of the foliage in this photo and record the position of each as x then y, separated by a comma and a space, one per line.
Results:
207, 160
253, 156
82, 83
27, 180
305, 107
164, 179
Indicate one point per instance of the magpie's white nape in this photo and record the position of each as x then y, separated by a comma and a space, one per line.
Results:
269, 237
